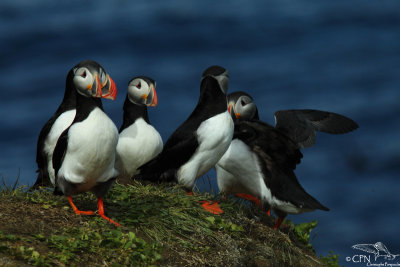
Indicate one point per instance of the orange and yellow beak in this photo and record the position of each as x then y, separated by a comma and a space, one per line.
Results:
151, 98
154, 100
109, 89
230, 108
96, 86
232, 112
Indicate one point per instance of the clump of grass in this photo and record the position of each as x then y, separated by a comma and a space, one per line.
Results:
331, 260
303, 231
167, 214
7, 188
113, 245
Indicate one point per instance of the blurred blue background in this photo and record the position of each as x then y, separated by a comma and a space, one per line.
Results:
340, 56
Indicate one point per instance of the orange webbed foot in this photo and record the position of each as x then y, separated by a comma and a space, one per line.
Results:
209, 206
212, 207
278, 223
109, 220
76, 210
101, 212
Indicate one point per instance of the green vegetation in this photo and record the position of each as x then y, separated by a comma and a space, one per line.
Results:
303, 231
162, 225
332, 260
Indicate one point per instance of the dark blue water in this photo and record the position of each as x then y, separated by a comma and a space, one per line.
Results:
340, 56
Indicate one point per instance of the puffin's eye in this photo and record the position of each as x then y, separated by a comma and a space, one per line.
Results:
243, 103
139, 85
83, 75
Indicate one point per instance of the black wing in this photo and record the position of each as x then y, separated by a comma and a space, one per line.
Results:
43, 178
183, 143
278, 147
164, 166
178, 149
301, 125
278, 156
59, 152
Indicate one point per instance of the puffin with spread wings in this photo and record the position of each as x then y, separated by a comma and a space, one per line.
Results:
261, 159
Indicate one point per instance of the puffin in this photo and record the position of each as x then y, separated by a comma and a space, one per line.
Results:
261, 158
138, 140
200, 141
84, 156
50, 133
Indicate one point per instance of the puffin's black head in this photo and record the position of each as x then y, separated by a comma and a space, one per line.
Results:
91, 80
142, 91
220, 74
241, 106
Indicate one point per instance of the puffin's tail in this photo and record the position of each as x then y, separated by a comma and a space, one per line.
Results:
314, 204
152, 172
42, 179
295, 193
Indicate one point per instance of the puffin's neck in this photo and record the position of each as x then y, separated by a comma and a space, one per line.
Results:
69, 100
85, 105
211, 96
132, 112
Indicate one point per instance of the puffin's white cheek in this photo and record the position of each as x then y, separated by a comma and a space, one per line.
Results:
238, 107
79, 82
134, 94
83, 84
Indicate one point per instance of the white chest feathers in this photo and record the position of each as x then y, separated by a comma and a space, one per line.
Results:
59, 126
90, 154
214, 136
137, 144
238, 171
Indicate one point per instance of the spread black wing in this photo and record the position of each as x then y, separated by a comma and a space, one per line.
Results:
278, 156
301, 125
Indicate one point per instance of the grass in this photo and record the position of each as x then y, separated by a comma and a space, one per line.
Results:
162, 225
331, 260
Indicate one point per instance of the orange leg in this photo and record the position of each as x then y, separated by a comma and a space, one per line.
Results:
80, 212
101, 212
209, 206
278, 223
252, 199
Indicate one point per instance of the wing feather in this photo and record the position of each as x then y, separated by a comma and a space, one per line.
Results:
301, 124
278, 156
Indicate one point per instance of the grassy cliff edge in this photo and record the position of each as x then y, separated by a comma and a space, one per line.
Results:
162, 226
